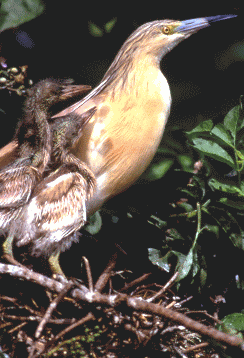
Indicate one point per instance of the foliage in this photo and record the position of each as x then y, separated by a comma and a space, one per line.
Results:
211, 206
96, 31
75, 346
233, 324
16, 12
175, 152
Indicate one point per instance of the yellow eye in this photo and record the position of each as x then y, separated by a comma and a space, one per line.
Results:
166, 30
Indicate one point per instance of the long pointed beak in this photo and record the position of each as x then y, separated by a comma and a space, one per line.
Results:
193, 25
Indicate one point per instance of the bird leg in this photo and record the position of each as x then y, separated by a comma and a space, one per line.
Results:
8, 250
54, 264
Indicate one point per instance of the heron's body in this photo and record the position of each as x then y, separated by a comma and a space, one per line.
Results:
137, 126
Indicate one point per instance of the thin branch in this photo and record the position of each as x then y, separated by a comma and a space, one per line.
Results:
104, 277
179, 351
206, 314
35, 348
180, 303
9, 299
89, 274
135, 282
197, 346
51, 308
32, 318
17, 327
89, 317
170, 329
163, 289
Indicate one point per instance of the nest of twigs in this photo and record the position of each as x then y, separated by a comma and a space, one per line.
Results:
48, 317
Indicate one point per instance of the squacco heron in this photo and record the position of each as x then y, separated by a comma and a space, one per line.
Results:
132, 105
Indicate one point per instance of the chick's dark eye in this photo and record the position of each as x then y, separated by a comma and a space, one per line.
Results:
166, 30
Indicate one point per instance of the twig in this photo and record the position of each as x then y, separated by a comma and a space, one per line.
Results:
160, 292
179, 304
89, 274
135, 282
21, 318
6, 324
206, 314
170, 329
171, 304
90, 316
35, 348
197, 346
9, 299
104, 277
26, 307
181, 354
32, 318
17, 327
51, 308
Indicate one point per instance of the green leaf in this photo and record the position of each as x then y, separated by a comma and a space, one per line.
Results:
186, 162
156, 221
95, 223
158, 170
197, 185
186, 206
14, 13
109, 25
157, 259
233, 204
221, 132
232, 323
226, 188
95, 30
233, 122
203, 277
196, 266
202, 127
242, 185
237, 240
213, 228
164, 151
184, 264
213, 150
175, 234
